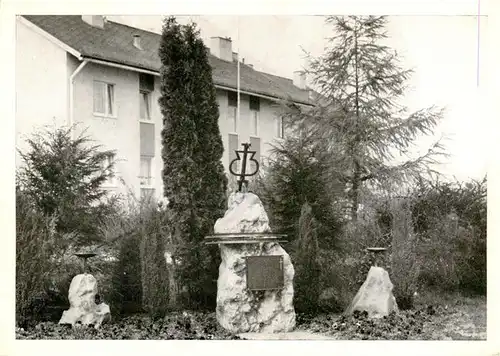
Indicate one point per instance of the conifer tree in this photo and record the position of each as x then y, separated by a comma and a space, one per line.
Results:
359, 115
63, 176
193, 174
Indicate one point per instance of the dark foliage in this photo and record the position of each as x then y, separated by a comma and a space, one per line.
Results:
35, 241
452, 217
154, 231
193, 175
306, 263
405, 261
295, 176
175, 326
63, 177
408, 325
126, 280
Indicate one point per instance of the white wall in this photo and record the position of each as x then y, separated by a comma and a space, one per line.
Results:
41, 84
267, 126
120, 133
42, 74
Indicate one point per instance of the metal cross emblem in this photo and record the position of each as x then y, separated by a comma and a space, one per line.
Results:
243, 172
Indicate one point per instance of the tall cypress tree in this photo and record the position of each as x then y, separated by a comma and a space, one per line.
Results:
193, 174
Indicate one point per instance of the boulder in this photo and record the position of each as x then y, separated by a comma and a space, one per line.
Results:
83, 309
375, 295
240, 310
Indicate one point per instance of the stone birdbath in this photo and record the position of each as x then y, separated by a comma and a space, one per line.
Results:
377, 253
85, 257
82, 299
375, 295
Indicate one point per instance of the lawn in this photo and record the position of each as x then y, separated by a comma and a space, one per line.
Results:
451, 317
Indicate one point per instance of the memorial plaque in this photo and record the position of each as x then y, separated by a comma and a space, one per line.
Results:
265, 272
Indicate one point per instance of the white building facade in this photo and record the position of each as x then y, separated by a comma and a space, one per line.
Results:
104, 78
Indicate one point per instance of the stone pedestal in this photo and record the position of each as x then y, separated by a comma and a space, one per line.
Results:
375, 295
239, 309
83, 309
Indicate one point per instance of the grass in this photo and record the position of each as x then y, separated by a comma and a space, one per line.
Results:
465, 318
435, 317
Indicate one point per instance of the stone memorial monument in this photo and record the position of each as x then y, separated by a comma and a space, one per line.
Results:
85, 306
255, 284
375, 295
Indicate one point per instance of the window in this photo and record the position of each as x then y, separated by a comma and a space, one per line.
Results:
145, 105
109, 164
232, 107
232, 99
254, 103
280, 127
254, 115
146, 87
104, 98
146, 82
146, 170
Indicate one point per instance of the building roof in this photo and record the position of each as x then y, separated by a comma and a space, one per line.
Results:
114, 44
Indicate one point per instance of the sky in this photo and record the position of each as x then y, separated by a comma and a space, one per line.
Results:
442, 50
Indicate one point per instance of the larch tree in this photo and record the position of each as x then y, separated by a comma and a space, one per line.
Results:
193, 175
359, 116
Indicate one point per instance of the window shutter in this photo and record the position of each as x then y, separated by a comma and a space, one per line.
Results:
254, 103
99, 105
255, 146
147, 139
146, 82
232, 147
232, 98
111, 98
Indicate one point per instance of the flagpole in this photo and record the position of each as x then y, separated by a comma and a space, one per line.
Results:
478, 39
238, 77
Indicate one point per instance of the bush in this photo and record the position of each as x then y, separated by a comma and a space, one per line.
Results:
345, 270
450, 219
307, 268
441, 252
404, 259
35, 235
297, 174
127, 278
63, 177
154, 231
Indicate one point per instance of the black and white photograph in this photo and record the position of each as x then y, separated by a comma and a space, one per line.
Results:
316, 177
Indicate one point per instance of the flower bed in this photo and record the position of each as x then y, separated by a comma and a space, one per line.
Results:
464, 319
175, 326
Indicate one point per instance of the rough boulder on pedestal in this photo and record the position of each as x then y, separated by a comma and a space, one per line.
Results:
239, 309
375, 295
83, 309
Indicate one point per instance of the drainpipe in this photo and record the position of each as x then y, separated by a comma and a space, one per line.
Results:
71, 79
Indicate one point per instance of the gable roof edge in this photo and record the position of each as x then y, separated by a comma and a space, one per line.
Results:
49, 37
